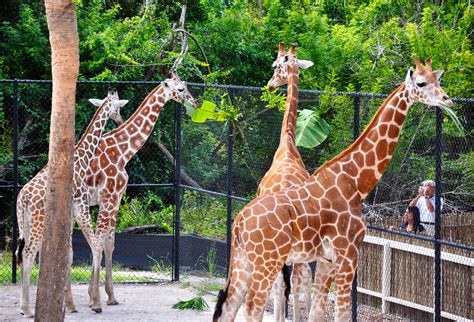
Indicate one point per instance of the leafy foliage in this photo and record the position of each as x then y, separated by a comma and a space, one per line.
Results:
197, 303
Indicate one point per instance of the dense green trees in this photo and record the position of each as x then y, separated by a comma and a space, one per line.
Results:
364, 45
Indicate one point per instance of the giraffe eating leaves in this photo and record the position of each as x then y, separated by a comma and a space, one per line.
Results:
322, 218
30, 201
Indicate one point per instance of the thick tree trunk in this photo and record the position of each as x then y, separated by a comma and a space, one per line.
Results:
54, 264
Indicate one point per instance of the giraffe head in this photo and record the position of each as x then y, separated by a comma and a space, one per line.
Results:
115, 104
280, 66
177, 90
424, 85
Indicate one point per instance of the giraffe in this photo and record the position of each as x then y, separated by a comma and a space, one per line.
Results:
107, 177
30, 202
321, 219
287, 170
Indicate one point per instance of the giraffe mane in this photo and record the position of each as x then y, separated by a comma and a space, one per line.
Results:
83, 137
362, 136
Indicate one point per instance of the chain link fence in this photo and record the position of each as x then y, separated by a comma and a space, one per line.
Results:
169, 224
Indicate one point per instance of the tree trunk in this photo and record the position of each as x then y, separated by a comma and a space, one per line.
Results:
54, 263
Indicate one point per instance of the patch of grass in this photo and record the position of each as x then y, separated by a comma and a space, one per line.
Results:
159, 267
210, 287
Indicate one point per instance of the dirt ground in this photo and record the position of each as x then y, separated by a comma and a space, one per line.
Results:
140, 302
145, 302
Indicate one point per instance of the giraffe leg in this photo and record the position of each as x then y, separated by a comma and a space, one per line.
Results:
297, 285
307, 280
69, 301
109, 249
94, 293
238, 286
261, 283
279, 298
322, 283
343, 281
29, 254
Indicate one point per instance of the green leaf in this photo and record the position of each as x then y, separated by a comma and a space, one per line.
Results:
455, 119
207, 112
311, 129
197, 303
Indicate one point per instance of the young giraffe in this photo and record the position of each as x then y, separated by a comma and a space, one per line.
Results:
107, 178
287, 170
322, 219
30, 202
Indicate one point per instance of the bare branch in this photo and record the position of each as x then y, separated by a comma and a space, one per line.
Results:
184, 41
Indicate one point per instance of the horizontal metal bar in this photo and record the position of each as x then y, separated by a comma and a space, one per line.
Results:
213, 193
234, 87
425, 238
410, 304
454, 258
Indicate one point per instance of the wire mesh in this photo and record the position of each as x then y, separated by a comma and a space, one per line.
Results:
388, 277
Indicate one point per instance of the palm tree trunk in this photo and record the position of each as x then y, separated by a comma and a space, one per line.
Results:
54, 263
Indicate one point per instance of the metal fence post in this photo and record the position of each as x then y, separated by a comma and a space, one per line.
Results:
177, 192
230, 159
15, 177
437, 235
356, 131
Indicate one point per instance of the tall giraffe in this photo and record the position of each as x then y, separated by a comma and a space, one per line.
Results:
287, 170
30, 202
107, 177
322, 219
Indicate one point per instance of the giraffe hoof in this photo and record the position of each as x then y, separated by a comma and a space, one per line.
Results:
96, 309
112, 302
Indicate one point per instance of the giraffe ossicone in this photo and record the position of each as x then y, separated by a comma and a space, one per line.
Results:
321, 219
30, 201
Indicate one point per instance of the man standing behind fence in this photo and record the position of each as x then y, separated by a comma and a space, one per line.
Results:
425, 201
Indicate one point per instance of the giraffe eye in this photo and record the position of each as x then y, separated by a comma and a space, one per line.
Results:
180, 89
422, 84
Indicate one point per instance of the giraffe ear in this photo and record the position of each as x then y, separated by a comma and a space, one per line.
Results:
120, 103
305, 63
408, 78
96, 102
438, 74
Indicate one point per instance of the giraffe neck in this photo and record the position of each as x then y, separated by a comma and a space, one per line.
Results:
85, 148
134, 132
369, 156
288, 128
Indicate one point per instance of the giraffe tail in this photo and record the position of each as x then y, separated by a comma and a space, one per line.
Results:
287, 278
222, 296
23, 227
19, 250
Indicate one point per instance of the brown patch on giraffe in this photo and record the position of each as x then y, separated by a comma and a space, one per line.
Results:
399, 118
350, 168
366, 146
383, 165
328, 230
340, 242
403, 105
343, 223
328, 217
373, 135
383, 129
381, 149
391, 147
359, 159
152, 99
123, 147
111, 170
110, 184
343, 182
325, 203
110, 141
387, 115
367, 181
393, 132
251, 224
161, 100
394, 101
114, 154
104, 161
370, 158
138, 120
351, 252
